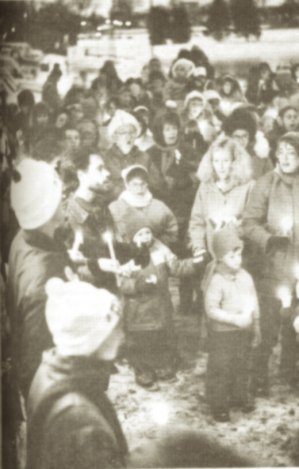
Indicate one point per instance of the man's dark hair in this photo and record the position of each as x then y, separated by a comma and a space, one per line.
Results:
81, 158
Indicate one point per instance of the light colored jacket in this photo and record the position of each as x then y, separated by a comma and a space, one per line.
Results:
211, 208
230, 293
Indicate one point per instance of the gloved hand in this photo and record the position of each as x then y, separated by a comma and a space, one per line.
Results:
277, 243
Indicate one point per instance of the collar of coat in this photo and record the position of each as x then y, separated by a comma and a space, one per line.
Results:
289, 179
42, 241
81, 209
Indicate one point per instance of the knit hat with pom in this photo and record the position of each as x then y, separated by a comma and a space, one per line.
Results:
80, 316
225, 240
36, 195
292, 138
134, 225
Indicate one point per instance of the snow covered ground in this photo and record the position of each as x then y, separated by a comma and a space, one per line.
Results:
266, 435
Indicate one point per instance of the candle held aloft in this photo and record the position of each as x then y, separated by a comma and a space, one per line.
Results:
78, 239
108, 239
285, 296
287, 225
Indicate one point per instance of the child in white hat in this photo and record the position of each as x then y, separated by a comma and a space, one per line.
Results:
233, 318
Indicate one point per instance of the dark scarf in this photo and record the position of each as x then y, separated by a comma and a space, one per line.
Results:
79, 375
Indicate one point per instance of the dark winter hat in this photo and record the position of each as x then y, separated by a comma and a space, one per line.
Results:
134, 225
292, 138
225, 240
25, 98
240, 119
167, 116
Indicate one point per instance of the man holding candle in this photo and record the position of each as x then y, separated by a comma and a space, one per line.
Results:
88, 213
271, 221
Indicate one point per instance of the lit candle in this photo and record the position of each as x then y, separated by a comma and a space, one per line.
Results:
78, 239
287, 225
285, 296
108, 239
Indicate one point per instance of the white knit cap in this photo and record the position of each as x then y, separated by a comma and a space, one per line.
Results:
36, 196
120, 119
211, 94
127, 171
193, 95
80, 316
186, 64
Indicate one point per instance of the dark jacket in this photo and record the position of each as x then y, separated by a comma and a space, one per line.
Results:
94, 219
33, 259
148, 307
174, 181
71, 422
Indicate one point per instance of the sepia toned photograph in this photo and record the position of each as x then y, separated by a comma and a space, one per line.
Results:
149, 283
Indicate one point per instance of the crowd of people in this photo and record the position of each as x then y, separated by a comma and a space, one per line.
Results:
107, 193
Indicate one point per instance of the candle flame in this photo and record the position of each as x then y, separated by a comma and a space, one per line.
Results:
107, 237
287, 224
285, 296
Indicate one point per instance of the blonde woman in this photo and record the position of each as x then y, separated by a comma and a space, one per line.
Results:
225, 174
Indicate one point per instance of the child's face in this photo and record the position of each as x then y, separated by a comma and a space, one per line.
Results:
290, 120
181, 73
233, 259
195, 108
170, 134
143, 237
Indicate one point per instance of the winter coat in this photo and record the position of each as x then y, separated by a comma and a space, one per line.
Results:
175, 91
172, 179
116, 161
152, 213
273, 200
50, 95
211, 208
33, 259
148, 306
71, 422
231, 293
93, 219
